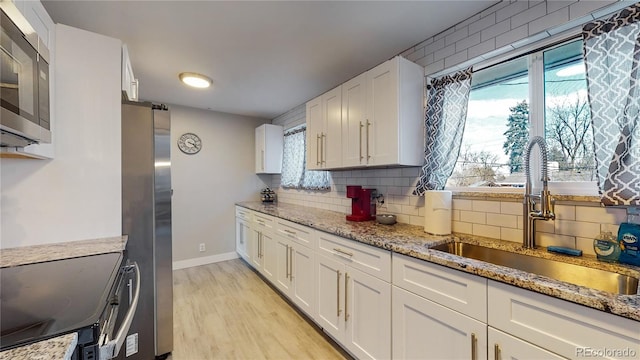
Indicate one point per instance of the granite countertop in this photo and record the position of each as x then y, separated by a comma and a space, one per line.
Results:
413, 241
59, 347
40, 253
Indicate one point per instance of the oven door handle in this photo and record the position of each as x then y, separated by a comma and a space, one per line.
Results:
111, 349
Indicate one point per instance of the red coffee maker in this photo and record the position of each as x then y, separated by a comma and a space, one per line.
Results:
363, 205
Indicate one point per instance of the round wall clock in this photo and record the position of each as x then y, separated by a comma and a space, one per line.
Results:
189, 143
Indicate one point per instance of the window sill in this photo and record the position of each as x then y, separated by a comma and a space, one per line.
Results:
519, 195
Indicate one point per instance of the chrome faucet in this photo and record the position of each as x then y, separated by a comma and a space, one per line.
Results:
547, 203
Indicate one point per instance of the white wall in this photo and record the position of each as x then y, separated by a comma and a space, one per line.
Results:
208, 184
76, 195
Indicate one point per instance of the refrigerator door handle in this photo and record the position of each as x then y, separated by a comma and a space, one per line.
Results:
111, 349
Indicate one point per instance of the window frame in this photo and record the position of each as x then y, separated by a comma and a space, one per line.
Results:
535, 61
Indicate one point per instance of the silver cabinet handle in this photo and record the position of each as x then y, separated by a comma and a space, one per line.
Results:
474, 347
323, 159
111, 349
318, 149
241, 236
368, 156
360, 142
338, 291
134, 89
497, 352
290, 232
262, 158
291, 263
340, 251
287, 263
346, 296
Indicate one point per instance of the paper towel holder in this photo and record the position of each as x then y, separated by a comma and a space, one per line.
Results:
437, 214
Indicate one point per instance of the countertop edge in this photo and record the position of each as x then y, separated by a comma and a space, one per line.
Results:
418, 244
60, 347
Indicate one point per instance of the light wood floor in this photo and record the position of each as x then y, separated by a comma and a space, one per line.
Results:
225, 311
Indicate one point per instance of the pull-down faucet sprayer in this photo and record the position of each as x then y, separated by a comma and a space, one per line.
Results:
546, 208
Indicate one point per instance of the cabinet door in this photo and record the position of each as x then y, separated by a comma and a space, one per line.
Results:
367, 315
260, 149
270, 256
314, 128
354, 143
331, 137
282, 278
381, 127
243, 234
303, 277
423, 329
256, 248
504, 346
330, 295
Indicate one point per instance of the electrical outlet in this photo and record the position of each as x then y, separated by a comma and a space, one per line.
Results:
202, 247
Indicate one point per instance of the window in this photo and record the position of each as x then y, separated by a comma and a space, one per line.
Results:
294, 170
543, 93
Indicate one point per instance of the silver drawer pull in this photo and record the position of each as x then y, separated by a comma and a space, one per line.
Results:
343, 252
290, 232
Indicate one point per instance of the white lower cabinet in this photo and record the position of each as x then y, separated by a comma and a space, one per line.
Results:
294, 275
423, 329
504, 346
354, 308
243, 236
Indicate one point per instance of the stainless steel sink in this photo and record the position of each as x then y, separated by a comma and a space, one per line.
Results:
575, 274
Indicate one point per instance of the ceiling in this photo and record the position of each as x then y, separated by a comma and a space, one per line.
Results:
265, 57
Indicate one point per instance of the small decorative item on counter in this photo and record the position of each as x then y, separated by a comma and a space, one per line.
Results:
606, 247
629, 241
267, 195
386, 219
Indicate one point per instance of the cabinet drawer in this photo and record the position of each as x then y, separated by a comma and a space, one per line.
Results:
263, 222
300, 234
243, 213
454, 289
369, 259
562, 327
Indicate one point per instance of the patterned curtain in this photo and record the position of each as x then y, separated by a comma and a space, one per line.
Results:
446, 112
612, 56
294, 173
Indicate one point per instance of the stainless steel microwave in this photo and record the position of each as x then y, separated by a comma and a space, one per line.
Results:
24, 82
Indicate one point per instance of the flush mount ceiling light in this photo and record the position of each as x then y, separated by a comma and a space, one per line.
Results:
195, 80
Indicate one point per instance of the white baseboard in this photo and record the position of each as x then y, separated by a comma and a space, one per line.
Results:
183, 264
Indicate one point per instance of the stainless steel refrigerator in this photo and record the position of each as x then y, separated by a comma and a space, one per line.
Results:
146, 219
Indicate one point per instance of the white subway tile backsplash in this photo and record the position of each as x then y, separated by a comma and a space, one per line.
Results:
565, 212
482, 24
511, 10
545, 226
511, 234
586, 245
505, 221
456, 36
612, 228
548, 21
462, 227
455, 215
417, 220
495, 30
534, 12
600, 215
445, 52
544, 239
582, 8
456, 59
555, 5
577, 228
486, 206
461, 204
409, 210
468, 42
511, 208
512, 36
482, 48
434, 46
475, 217
486, 231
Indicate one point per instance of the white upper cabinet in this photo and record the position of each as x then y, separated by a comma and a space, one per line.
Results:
324, 131
394, 125
269, 147
129, 81
380, 122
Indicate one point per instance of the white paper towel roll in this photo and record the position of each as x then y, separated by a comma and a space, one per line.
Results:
437, 212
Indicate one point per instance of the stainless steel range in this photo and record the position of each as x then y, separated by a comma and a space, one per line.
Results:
84, 295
